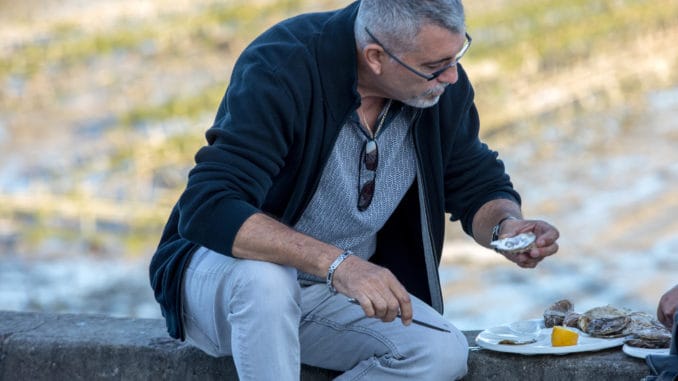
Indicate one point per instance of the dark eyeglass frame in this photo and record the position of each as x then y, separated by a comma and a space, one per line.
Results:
435, 74
370, 159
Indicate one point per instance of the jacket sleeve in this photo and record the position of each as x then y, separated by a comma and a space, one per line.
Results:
474, 174
247, 144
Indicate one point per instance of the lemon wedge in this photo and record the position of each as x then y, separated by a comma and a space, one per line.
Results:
562, 337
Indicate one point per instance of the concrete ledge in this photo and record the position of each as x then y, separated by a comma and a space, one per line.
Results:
41, 346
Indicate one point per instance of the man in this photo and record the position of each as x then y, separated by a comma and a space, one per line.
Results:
341, 142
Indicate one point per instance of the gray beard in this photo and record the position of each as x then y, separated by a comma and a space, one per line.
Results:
422, 101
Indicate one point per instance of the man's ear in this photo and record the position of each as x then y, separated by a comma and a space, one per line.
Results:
374, 57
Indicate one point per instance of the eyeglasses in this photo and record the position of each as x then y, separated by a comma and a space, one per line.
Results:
370, 159
435, 74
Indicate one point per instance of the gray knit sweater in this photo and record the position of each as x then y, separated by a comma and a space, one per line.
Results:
332, 215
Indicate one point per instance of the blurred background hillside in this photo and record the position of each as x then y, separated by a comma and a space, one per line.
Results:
103, 105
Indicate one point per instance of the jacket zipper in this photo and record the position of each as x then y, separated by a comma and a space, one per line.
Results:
429, 251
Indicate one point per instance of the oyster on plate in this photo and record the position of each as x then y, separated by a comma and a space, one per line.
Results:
516, 244
605, 321
571, 319
555, 313
644, 331
649, 338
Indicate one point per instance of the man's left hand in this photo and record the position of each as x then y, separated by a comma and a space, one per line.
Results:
545, 241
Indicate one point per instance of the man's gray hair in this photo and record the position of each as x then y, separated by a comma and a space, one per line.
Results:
397, 22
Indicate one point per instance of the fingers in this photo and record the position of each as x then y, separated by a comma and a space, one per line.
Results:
548, 238
664, 318
391, 301
378, 291
530, 259
526, 260
383, 308
668, 304
543, 252
387, 309
665, 314
545, 244
405, 304
546, 234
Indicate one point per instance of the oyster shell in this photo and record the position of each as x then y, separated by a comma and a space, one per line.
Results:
644, 331
649, 338
642, 321
639, 329
571, 319
606, 321
516, 244
555, 313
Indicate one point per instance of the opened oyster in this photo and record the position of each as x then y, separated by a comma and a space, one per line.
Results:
606, 321
555, 313
644, 331
516, 244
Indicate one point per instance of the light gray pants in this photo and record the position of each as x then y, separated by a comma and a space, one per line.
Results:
256, 312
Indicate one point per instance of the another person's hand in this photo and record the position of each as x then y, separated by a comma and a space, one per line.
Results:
379, 292
667, 306
545, 241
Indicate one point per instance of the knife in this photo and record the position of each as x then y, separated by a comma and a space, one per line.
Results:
415, 321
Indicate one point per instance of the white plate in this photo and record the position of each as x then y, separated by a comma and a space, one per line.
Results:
490, 338
642, 352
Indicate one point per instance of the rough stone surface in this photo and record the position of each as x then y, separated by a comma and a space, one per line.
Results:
42, 346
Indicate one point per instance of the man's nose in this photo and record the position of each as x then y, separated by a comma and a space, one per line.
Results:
449, 76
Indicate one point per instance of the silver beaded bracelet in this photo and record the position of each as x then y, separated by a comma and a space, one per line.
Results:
333, 266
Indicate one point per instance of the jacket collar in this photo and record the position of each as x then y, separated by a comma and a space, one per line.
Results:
337, 61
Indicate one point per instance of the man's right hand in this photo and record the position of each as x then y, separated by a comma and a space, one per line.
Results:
379, 292
667, 306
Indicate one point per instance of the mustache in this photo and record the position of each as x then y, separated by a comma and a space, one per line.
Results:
439, 89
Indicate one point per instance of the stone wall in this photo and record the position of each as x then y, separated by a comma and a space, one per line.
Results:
43, 346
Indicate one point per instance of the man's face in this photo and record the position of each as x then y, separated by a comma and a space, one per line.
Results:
435, 49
